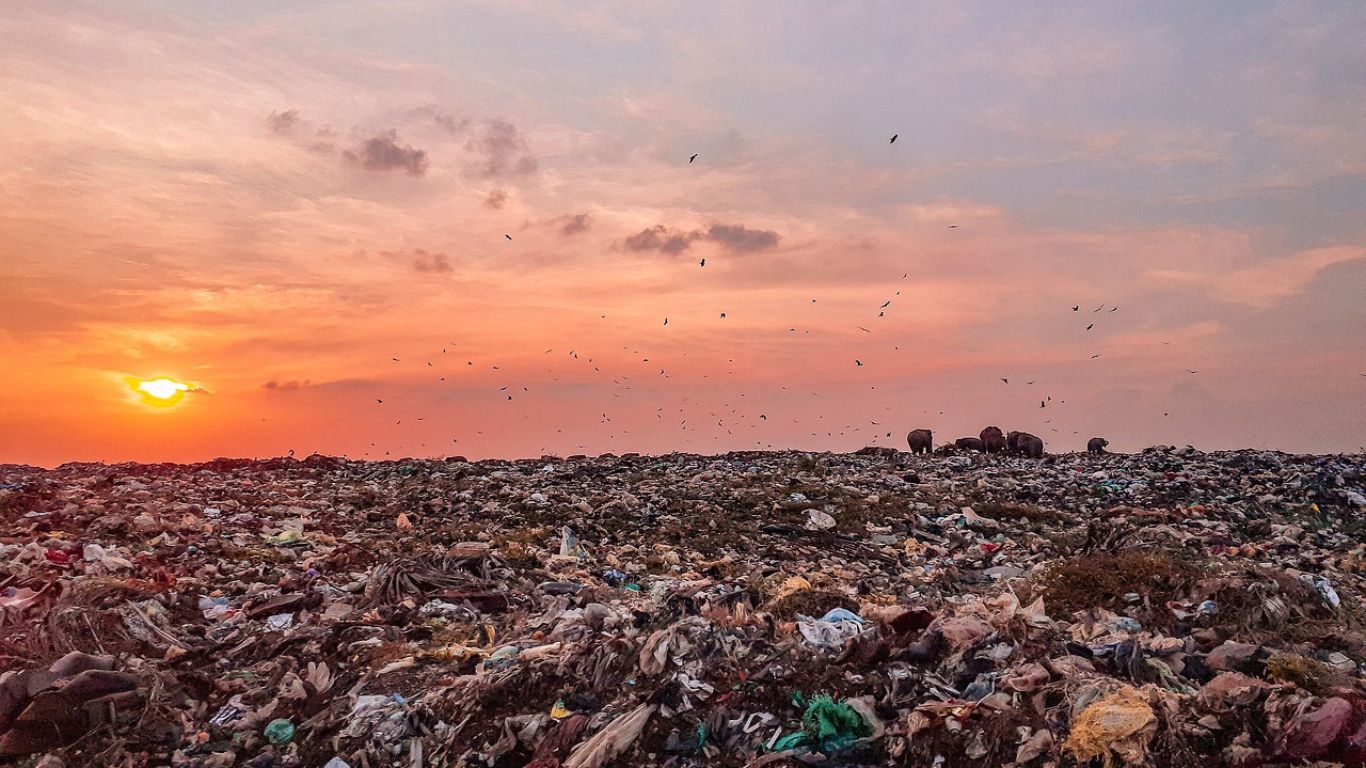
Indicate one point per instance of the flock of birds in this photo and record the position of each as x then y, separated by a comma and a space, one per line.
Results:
696, 417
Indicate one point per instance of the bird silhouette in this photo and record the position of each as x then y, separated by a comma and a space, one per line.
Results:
859, 362
1076, 307
703, 263
1005, 380
507, 236
1190, 371
1089, 327
694, 157
893, 141
953, 226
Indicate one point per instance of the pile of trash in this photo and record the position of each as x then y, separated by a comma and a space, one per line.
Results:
1170, 607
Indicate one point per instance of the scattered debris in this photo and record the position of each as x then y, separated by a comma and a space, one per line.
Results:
1163, 608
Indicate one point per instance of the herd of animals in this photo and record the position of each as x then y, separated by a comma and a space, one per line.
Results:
991, 440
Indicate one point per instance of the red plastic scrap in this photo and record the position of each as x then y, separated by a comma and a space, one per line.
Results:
1334, 729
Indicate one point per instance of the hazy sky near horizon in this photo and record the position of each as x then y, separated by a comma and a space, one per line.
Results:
272, 200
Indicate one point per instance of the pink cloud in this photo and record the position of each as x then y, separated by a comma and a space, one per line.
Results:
1263, 285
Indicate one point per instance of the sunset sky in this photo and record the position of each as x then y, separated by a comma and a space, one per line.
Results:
270, 201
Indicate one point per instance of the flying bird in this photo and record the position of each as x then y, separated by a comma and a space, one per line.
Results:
1076, 307
1089, 327
1093, 357
1112, 309
723, 315
666, 321
1042, 405
860, 363
694, 157
1097, 309
1190, 371
703, 264
1005, 380
507, 236
887, 304
953, 226
379, 401
893, 141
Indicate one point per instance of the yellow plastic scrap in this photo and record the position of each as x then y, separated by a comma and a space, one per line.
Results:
458, 652
1118, 727
792, 586
286, 537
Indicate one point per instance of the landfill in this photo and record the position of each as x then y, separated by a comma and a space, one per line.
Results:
1168, 607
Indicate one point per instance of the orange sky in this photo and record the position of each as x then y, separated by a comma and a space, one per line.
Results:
273, 201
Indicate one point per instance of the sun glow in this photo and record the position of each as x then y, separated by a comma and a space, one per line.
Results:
159, 392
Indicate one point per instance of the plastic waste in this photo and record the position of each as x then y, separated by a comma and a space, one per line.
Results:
832, 629
290, 537
818, 520
1235, 643
1118, 726
833, 725
1325, 589
569, 544
279, 732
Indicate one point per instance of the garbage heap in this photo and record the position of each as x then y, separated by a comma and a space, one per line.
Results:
1170, 607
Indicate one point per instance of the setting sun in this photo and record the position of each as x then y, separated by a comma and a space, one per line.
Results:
160, 392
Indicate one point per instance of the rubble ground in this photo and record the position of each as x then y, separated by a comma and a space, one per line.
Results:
1169, 607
